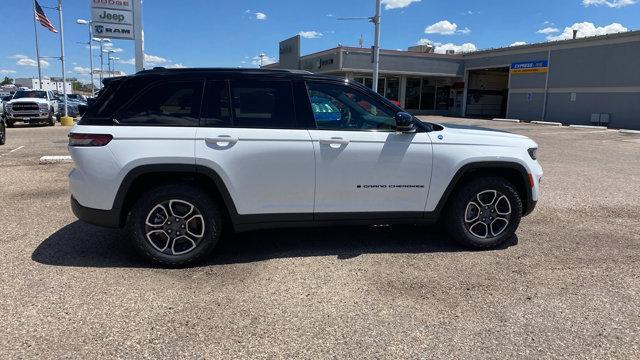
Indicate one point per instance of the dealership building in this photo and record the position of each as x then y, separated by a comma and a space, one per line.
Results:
587, 81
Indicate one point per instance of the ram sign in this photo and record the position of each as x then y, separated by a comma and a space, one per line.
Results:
112, 19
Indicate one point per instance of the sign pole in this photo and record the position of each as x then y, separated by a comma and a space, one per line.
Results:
35, 29
139, 34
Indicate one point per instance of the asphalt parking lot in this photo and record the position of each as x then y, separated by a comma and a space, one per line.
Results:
568, 286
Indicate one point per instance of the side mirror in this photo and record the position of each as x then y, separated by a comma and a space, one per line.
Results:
404, 122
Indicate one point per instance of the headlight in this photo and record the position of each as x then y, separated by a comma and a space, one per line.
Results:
533, 153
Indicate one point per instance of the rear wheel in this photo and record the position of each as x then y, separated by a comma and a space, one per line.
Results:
175, 225
484, 213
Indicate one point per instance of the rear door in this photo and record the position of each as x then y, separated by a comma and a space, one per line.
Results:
363, 166
250, 136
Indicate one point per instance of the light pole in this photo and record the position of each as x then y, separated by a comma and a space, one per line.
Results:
113, 65
85, 22
262, 55
99, 40
375, 50
108, 52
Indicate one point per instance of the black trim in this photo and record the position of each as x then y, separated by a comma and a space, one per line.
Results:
104, 218
117, 216
528, 207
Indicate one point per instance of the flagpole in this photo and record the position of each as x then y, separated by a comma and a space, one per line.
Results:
35, 29
64, 76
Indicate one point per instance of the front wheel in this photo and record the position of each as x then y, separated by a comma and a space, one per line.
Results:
51, 121
484, 213
175, 225
3, 133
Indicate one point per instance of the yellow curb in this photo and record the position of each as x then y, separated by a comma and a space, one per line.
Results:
66, 121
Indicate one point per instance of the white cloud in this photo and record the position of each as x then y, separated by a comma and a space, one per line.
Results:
310, 34
176, 66
25, 61
586, 29
109, 46
4, 71
397, 4
128, 62
261, 16
548, 30
266, 60
610, 3
519, 43
445, 27
154, 60
18, 56
82, 70
440, 48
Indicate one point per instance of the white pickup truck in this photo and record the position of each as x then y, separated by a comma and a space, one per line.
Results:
32, 106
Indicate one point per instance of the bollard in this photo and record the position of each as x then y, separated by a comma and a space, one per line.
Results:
66, 121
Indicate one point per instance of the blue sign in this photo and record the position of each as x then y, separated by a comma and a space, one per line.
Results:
530, 67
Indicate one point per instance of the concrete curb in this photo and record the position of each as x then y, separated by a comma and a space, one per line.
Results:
625, 131
54, 160
506, 120
546, 123
589, 127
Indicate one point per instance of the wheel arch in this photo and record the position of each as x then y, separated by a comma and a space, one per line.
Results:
514, 172
143, 177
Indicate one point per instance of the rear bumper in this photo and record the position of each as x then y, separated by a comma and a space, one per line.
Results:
104, 218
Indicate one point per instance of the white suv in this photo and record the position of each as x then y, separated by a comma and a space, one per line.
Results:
177, 155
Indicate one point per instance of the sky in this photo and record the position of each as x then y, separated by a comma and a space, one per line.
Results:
221, 33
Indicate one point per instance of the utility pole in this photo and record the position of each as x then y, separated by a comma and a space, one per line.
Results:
375, 49
64, 76
376, 45
262, 55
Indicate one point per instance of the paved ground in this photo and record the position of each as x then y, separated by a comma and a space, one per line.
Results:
568, 287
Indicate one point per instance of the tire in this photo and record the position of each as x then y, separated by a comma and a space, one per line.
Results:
169, 244
9, 123
476, 197
52, 119
3, 133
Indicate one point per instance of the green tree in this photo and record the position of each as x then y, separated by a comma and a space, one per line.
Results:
6, 81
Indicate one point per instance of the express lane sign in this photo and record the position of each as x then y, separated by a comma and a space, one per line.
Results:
530, 67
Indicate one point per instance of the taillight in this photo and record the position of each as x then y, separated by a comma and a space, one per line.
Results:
89, 139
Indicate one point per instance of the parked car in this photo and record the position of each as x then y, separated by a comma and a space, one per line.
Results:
185, 153
3, 131
32, 106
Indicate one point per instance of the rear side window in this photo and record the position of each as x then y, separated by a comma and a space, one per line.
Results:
263, 104
171, 103
217, 109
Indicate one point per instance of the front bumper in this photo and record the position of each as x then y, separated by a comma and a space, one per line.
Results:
104, 218
35, 117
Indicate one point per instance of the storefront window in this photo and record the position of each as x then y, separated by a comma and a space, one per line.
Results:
412, 100
428, 96
392, 92
442, 98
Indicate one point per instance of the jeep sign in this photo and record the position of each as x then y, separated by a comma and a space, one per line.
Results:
112, 19
112, 16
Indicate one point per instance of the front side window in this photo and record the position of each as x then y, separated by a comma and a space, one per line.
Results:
339, 107
263, 104
175, 103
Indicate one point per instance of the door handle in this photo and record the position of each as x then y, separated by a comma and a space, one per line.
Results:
334, 141
221, 139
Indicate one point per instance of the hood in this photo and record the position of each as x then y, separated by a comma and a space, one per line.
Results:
30, 100
464, 134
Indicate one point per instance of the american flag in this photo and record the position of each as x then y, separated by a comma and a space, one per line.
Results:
42, 18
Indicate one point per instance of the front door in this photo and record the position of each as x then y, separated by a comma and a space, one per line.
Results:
363, 165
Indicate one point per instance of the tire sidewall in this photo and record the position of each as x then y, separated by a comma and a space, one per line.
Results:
204, 204
467, 193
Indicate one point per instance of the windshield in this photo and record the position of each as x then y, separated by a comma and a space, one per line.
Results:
30, 94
